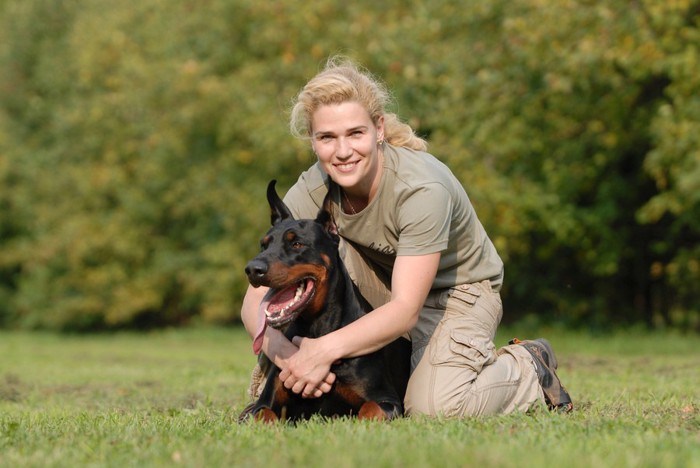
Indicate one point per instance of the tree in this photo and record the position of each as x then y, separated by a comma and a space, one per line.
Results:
137, 138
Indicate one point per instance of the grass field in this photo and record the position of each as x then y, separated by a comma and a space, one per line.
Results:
171, 398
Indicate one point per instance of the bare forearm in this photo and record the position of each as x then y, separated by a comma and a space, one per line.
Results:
249, 309
372, 331
275, 345
411, 282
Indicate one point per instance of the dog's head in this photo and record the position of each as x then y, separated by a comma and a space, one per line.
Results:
295, 262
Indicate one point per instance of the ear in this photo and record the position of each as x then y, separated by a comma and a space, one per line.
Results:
278, 209
325, 218
380, 128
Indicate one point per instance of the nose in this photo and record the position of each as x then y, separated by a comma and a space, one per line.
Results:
344, 149
256, 271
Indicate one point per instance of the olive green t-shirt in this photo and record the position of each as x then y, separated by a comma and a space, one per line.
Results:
420, 208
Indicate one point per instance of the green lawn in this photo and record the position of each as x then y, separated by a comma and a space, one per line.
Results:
171, 398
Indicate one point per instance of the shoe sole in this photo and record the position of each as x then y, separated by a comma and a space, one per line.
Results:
557, 392
550, 351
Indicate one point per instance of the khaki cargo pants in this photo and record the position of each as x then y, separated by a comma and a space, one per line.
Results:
456, 370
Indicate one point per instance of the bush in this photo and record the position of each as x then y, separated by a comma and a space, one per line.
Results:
137, 138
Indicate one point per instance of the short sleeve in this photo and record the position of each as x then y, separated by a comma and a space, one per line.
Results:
300, 203
305, 197
424, 218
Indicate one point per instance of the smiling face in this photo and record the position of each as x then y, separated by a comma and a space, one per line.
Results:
345, 141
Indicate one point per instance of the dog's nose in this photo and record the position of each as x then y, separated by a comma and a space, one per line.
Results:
256, 271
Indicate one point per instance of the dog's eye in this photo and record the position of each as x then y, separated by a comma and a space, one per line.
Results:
297, 245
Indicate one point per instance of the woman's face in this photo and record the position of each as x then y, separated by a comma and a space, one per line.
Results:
345, 141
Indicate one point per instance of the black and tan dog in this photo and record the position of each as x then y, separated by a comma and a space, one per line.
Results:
312, 295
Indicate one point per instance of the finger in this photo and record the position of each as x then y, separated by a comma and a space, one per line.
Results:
310, 390
298, 388
330, 378
324, 387
284, 375
314, 394
289, 381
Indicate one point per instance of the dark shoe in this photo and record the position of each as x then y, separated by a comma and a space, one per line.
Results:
546, 364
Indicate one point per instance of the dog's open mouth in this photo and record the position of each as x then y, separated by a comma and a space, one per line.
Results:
281, 306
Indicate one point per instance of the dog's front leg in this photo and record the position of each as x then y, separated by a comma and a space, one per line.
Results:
272, 403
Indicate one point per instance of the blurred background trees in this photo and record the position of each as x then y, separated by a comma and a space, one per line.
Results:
137, 138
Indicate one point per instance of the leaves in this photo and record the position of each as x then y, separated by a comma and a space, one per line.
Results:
137, 137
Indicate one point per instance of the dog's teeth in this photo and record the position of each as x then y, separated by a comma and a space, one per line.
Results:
297, 296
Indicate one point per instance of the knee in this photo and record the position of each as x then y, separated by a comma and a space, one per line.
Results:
419, 398
417, 406
426, 407
431, 402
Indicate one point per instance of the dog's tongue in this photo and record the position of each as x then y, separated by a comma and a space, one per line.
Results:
262, 325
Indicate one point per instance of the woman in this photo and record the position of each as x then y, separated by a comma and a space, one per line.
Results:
417, 251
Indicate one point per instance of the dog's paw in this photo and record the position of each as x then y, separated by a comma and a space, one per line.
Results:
266, 415
372, 410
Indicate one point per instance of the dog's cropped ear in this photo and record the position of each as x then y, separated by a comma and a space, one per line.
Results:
278, 209
325, 218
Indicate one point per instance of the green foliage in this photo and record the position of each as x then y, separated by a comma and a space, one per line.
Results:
565, 107
137, 137
172, 397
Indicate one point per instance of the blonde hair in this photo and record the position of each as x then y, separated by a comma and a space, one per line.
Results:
342, 81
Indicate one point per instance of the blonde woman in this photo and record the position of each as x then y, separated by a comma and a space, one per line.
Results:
416, 249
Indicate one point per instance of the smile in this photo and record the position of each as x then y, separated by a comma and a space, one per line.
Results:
346, 167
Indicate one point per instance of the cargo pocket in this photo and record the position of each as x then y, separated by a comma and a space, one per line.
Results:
466, 293
477, 302
457, 349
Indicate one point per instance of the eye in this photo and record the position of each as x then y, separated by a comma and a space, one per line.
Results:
264, 242
297, 245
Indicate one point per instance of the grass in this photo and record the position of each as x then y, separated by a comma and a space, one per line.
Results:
171, 398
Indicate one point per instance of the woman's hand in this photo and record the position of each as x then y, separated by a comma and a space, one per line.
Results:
307, 372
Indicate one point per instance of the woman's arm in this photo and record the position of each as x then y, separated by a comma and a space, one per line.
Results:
275, 345
411, 281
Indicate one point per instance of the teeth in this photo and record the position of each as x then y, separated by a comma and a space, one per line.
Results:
297, 296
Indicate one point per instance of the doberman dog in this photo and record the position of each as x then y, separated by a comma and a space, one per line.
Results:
312, 295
